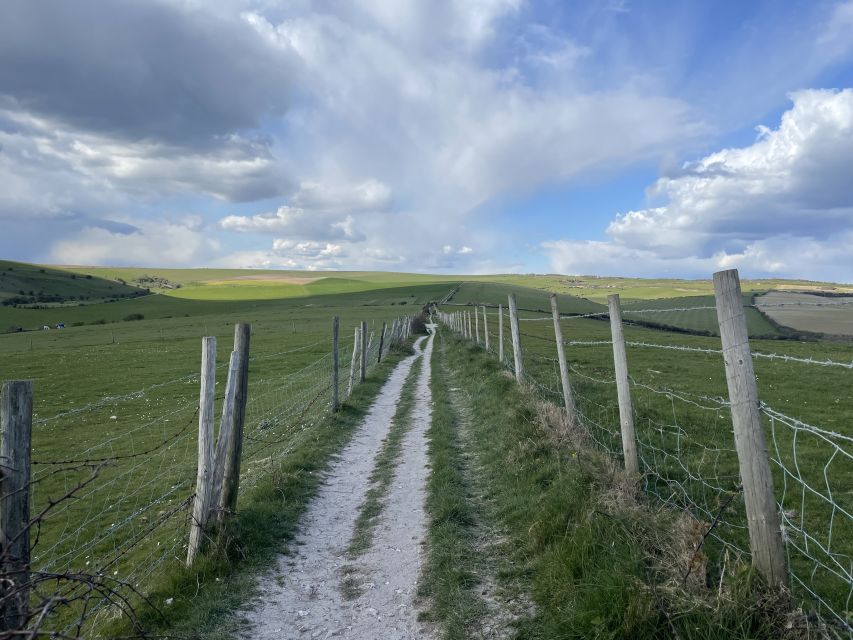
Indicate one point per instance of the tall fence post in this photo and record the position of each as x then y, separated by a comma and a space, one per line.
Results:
224, 437
381, 343
16, 426
354, 363
204, 473
516, 339
336, 403
623, 387
765, 534
363, 374
234, 446
470, 332
485, 328
501, 334
568, 397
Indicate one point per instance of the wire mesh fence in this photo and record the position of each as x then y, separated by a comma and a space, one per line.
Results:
112, 481
686, 443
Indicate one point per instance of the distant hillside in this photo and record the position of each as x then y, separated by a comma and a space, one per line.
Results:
29, 285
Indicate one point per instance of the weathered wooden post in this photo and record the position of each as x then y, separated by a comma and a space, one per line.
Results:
501, 334
516, 339
234, 449
204, 472
363, 374
477, 324
765, 533
381, 343
222, 442
568, 397
16, 426
470, 333
623, 387
354, 363
486, 328
335, 364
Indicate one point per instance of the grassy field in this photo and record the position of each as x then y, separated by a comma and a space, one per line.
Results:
686, 443
121, 387
119, 400
806, 312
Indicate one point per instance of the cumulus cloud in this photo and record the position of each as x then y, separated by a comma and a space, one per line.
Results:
781, 206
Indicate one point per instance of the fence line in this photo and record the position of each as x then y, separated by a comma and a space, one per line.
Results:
117, 510
688, 458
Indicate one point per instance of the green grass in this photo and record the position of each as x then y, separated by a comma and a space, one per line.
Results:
127, 392
449, 577
204, 599
597, 565
384, 468
685, 439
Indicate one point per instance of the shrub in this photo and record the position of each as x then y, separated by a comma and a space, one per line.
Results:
134, 316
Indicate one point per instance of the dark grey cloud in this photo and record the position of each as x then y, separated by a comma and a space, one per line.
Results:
140, 70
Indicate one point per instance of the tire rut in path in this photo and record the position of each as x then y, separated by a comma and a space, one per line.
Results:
302, 597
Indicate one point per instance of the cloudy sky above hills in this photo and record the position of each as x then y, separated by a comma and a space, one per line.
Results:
598, 137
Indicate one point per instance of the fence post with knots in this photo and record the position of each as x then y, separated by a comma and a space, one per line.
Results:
623, 387
765, 533
233, 447
16, 426
516, 339
568, 398
204, 473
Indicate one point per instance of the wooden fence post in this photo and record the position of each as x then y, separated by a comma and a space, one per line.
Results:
234, 446
225, 424
16, 426
204, 472
623, 387
468, 319
477, 324
765, 533
486, 328
381, 343
363, 367
501, 334
516, 339
335, 364
354, 363
568, 397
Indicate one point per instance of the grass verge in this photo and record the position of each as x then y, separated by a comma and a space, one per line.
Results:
449, 573
596, 561
202, 600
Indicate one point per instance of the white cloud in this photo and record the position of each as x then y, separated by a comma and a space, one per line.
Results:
155, 243
781, 206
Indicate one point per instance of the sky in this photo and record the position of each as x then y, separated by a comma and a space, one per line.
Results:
599, 137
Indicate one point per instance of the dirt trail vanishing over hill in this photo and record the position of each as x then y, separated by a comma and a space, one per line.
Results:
303, 597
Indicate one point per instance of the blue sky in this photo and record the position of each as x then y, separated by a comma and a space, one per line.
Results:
610, 137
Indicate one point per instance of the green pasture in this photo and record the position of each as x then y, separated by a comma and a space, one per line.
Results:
118, 401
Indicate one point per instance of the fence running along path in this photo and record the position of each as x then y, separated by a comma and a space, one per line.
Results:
778, 493
86, 526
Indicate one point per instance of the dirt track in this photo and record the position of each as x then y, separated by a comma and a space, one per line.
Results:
303, 597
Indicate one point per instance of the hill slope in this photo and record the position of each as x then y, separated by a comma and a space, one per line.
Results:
29, 284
